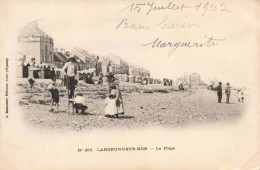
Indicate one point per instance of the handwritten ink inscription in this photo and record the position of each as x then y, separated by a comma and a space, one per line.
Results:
124, 24
167, 23
157, 43
201, 8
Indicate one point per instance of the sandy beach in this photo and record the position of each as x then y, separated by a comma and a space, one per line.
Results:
145, 106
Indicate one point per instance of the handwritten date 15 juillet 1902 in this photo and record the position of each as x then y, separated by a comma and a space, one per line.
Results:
201, 8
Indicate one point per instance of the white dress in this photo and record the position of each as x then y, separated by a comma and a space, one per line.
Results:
110, 106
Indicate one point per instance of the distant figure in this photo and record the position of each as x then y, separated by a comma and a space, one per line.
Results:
91, 80
219, 91
48, 72
170, 82
31, 82
35, 74
79, 103
54, 96
45, 72
144, 81
87, 78
240, 95
181, 87
52, 74
100, 79
167, 82
164, 82
110, 101
227, 91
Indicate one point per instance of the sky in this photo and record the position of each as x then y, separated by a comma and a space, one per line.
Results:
95, 27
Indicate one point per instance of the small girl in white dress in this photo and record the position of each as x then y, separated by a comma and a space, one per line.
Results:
110, 101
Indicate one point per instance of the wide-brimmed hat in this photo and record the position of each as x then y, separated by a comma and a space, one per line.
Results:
219, 83
227, 83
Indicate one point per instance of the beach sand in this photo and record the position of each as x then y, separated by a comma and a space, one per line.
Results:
145, 106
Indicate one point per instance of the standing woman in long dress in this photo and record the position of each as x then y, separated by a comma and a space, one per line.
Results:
119, 99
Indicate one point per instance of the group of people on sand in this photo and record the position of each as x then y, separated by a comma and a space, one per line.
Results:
167, 82
240, 93
114, 101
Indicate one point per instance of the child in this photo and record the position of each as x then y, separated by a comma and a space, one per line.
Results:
110, 101
79, 103
54, 96
31, 82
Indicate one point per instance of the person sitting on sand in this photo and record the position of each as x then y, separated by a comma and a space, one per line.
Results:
110, 101
54, 96
79, 103
181, 87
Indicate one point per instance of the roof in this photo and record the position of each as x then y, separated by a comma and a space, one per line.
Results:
82, 54
32, 29
78, 54
60, 57
78, 60
113, 58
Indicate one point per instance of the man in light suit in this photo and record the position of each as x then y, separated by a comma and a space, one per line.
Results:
228, 92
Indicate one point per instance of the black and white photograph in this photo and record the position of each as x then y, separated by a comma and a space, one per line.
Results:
135, 84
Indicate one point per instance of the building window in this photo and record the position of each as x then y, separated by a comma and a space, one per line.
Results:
42, 56
51, 57
46, 57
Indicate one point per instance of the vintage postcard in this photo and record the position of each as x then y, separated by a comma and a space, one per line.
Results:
130, 84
